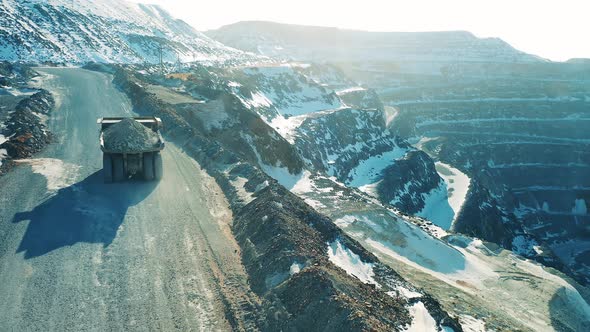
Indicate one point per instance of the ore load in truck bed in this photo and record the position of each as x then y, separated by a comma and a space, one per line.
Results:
130, 136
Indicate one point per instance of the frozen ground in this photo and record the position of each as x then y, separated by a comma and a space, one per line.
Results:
500, 285
479, 282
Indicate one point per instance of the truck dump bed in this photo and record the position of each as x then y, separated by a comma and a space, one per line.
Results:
130, 135
151, 122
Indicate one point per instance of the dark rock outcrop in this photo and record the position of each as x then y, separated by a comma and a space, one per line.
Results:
404, 182
25, 129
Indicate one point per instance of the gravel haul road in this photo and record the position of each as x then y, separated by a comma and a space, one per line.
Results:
78, 255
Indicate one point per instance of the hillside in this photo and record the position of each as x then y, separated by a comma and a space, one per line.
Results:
102, 31
322, 44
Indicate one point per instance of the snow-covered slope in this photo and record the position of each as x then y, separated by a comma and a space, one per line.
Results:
485, 287
474, 278
77, 31
277, 92
330, 44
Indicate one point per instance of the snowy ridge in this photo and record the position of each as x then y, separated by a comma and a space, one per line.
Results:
309, 43
79, 31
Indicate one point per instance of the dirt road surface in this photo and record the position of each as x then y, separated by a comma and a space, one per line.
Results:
77, 254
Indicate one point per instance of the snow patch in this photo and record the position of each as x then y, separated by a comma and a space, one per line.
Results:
295, 268
259, 100
408, 294
304, 184
371, 189
422, 321
239, 184
472, 324
390, 114
58, 174
580, 207
314, 203
344, 221
287, 126
437, 208
457, 185
407, 243
282, 175
3, 155
349, 90
351, 262
308, 97
16, 92
368, 170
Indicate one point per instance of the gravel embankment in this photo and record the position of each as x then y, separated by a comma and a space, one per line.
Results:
25, 129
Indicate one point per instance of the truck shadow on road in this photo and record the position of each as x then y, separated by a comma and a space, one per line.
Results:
88, 211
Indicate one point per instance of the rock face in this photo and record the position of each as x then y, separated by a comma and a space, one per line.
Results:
130, 136
404, 182
285, 243
339, 131
523, 140
25, 129
103, 31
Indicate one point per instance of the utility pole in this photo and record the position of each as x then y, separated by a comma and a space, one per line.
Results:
178, 63
160, 51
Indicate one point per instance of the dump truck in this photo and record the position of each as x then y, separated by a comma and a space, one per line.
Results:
131, 148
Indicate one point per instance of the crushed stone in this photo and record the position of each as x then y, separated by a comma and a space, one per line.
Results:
128, 136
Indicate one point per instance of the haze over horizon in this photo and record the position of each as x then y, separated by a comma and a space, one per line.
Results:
550, 29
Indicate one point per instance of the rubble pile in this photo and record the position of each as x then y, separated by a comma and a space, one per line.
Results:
130, 136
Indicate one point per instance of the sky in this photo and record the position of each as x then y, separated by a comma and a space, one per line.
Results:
556, 30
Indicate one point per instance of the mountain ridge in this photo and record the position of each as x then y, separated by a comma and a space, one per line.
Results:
285, 39
100, 31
